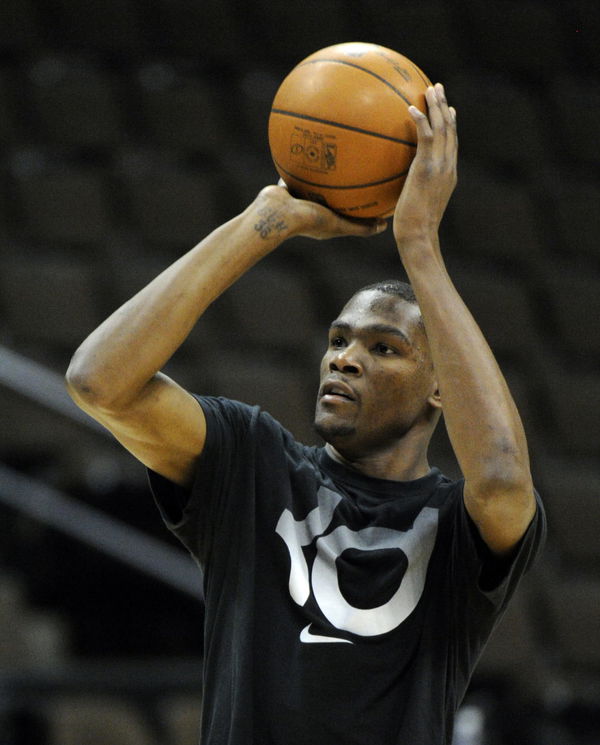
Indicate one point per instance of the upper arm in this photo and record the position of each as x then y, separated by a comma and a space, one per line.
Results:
502, 516
164, 428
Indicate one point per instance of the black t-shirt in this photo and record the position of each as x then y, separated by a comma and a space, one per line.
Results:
340, 609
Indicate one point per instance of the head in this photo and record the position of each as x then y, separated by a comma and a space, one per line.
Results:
378, 385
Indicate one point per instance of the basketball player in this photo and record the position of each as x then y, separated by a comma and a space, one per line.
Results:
351, 588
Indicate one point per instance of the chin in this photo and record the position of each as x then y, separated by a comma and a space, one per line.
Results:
333, 431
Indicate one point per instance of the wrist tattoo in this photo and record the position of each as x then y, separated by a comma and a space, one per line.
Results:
270, 222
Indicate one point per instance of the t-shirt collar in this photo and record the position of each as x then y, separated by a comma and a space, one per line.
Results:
342, 474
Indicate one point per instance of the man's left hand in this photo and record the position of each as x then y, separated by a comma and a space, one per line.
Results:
432, 175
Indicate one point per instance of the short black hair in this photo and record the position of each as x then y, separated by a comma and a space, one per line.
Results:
398, 288
393, 287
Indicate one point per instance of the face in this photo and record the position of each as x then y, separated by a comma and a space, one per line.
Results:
377, 380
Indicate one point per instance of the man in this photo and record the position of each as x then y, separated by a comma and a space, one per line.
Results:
349, 589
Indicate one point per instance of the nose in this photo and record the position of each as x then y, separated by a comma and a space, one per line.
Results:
345, 360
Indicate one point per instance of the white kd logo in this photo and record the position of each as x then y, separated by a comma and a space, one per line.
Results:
417, 543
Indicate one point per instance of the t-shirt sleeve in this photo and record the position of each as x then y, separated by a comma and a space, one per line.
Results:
478, 585
195, 515
487, 579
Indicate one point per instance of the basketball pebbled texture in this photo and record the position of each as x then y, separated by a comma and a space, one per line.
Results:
339, 129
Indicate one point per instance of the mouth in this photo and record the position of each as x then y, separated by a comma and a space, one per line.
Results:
336, 390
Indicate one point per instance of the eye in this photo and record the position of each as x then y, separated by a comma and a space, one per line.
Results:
337, 342
385, 349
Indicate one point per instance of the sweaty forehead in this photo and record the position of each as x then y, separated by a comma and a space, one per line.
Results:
373, 306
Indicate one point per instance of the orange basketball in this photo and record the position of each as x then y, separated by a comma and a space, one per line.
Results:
339, 129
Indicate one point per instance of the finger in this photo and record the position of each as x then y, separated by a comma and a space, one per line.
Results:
454, 136
436, 119
449, 113
362, 226
440, 93
449, 116
435, 100
423, 127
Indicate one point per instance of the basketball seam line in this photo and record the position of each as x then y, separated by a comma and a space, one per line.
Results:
332, 186
283, 112
364, 69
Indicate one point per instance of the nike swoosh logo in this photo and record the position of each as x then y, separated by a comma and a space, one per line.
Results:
308, 638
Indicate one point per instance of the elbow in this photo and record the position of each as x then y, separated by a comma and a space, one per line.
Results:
85, 385
502, 509
506, 472
500, 497
78, 387
97, 387
514, 492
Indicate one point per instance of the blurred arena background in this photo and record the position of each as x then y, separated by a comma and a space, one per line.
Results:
130, 129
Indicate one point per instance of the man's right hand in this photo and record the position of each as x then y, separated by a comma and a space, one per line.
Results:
314, 220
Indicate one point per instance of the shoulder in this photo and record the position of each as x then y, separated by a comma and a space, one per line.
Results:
219, 408
234, 426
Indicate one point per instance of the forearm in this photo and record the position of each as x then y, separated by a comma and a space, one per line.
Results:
481, 418
480, 415
117, 360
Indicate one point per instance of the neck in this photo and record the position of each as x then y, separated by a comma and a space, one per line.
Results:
394, 463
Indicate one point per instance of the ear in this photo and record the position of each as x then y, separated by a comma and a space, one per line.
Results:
435, 399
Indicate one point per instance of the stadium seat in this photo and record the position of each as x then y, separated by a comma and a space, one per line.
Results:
60, 202
569, 486
293, 32
255, 90
98, 26
341, 267
74, 103
274, 382
247, 173
500, 121
129, 265
575, 618
182, 111
172, 206
502, 306
214, 330
573, 196
495, 218
426, 32
10, 129
573, 401
13, 644
207, 32
584, 30
19, 26
521, 38
96, 720
181, 717
573, 300
49, 301
47, 638
6, 221
30, 431
273, 305
28, 637
576, 93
